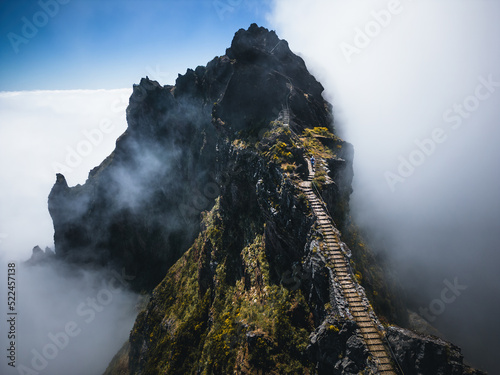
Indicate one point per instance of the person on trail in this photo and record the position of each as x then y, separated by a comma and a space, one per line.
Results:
312, 162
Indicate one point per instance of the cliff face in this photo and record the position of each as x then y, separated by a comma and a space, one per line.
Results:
209, 199
140, 208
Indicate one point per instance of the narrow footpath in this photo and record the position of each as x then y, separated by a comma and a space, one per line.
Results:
340, 266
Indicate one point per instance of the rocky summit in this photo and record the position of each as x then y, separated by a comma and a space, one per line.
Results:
247, 250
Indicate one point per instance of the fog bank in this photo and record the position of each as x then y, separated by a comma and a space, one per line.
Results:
43, 133
416, 89
69, 321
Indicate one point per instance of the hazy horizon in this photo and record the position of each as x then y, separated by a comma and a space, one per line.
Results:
418, 99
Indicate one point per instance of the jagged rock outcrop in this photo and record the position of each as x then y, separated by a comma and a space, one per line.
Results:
419, 354
202, 201
39, 256
140, 208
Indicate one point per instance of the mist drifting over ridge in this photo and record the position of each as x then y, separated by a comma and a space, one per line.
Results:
70, 321
441, 222
416, 88
44, 132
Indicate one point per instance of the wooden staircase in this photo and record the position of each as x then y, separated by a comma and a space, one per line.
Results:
336, 260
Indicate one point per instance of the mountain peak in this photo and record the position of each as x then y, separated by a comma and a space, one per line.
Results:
210, 201
251, 42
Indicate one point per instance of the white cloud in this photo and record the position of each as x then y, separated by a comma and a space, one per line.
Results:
68, 321
41, 133
420, 62
36, 130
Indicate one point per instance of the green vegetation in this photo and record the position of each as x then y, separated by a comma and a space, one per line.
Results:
319, 179
312, 144
251, 324
280, 152
318, 131
280, 146
218, 311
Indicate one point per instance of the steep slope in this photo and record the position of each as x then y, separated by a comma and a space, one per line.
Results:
261, 290
253, 263
140, 208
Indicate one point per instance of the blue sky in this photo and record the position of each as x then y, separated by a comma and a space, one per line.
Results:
92, 44
422, 60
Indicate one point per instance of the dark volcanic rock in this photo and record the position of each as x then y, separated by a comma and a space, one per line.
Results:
39, 256
140, 209
419, 354
253, 292
267, 78
339, 349
136, 209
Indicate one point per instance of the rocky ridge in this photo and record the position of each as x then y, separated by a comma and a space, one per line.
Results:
202, 200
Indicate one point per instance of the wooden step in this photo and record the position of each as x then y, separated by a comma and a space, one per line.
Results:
331, 244
346, 287
386, 370
337, 256
358, 309
368, 329
346, 280
369, 336
340, 274
347, 284
330, 240
376, 348
328, 232
361, 314
351, 294
376, 341
379, 352
385, 360
362, 319
353, 298
340, 265
334, 246
357, 303
349, 289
